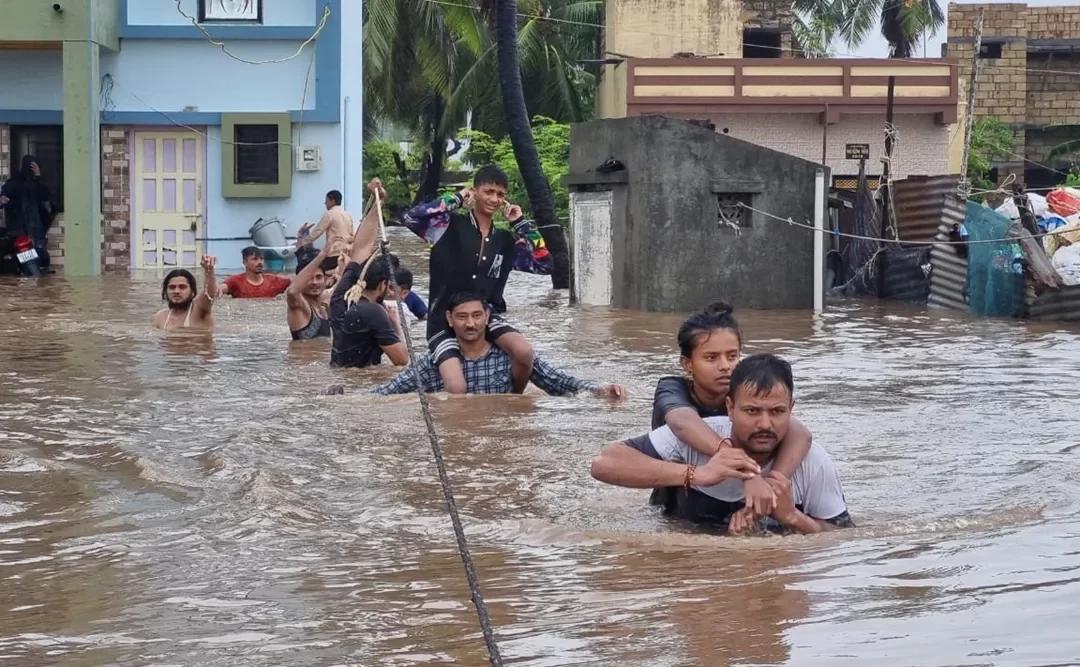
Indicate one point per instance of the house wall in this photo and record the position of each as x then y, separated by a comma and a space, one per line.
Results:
1028, 101
168, 76
669, 251
921, 147
164, 12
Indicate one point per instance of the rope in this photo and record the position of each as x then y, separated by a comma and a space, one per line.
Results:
910, 243
444, 478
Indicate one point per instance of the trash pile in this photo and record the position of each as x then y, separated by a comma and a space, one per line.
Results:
1058, 211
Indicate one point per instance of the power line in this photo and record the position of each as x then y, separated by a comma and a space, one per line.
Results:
852, 56
224, 49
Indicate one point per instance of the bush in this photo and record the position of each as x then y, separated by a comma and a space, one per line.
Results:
379, 163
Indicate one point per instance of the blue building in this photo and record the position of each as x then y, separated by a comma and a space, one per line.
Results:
165, 130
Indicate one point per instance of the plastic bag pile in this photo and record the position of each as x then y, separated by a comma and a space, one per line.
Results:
1058, 211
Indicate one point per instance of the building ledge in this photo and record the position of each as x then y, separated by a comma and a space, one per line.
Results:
831, 87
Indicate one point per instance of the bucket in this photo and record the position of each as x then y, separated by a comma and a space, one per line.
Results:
268, 233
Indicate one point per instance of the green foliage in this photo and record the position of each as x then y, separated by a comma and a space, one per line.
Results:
990, 139
1071, 181
553, 147
379, 163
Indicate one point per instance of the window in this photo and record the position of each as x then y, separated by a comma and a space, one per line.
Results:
46, 143
761, 43
991, 50
732, 211
256, 155
246, 11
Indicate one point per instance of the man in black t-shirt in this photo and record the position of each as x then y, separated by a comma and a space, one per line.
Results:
362, 325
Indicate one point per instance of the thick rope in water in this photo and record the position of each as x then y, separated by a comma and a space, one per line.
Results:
444, 478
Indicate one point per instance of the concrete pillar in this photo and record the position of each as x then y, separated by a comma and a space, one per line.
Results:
351, 20
82, 159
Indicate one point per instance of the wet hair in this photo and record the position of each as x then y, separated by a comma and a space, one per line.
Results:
378, 272
462, 297
334, 196
251, 251
177, 273
715, 316
760, 373
403, 278
326, 265
490, 175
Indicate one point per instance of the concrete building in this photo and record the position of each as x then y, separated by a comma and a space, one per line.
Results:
156, 140
728, 65
1029, 80
670, 232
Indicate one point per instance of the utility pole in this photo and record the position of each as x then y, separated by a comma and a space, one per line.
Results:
973, 80
887, 221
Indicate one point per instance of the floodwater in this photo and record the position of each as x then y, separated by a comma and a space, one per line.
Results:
172, 499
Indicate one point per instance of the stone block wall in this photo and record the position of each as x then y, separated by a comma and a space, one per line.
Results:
772, 14
1052, 22
1007, 89
5, 156
115, 200
1053, 99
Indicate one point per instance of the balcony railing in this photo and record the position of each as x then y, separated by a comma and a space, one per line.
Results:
829, 86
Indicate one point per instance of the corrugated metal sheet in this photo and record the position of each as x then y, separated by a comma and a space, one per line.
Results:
1059, 305
920, 202
948, 272
906, 274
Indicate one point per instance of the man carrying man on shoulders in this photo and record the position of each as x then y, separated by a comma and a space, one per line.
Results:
759, 415
487, 367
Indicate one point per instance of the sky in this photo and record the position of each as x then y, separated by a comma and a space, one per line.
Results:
876, 47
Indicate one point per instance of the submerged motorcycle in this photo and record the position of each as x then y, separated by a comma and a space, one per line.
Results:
18, 256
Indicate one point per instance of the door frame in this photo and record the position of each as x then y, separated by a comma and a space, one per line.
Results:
133, 225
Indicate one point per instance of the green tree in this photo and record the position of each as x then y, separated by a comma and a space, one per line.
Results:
903, 23
990, 139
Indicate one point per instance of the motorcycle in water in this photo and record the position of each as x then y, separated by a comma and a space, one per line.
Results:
18, 256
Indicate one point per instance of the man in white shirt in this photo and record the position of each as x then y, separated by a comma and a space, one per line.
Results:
759, 409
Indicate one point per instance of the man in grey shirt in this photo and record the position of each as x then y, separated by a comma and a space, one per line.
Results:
759, 409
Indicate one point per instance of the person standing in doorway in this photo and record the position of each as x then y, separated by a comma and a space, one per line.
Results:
28, 207
336, 224
253, 283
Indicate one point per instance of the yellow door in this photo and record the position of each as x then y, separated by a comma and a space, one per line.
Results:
167, 188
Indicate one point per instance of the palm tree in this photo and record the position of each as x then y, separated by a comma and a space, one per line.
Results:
521, 138
903, 22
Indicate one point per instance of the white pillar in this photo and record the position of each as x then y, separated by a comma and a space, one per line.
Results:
352, 103
819, 240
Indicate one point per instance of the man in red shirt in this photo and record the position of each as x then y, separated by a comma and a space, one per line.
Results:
253, 283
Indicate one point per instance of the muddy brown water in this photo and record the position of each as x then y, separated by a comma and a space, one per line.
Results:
172, 499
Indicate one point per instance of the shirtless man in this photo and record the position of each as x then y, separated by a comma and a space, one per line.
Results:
336, 223
308, 299
186, 307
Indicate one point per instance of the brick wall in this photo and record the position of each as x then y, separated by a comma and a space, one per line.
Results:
5, 156
921, 147
116, 200
1053, 99
1052, 22
772, 14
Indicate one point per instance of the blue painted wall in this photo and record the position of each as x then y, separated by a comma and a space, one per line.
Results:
168, 74
234, 217
164, 12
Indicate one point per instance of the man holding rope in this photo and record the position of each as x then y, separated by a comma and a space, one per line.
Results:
470, 254
363, 326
